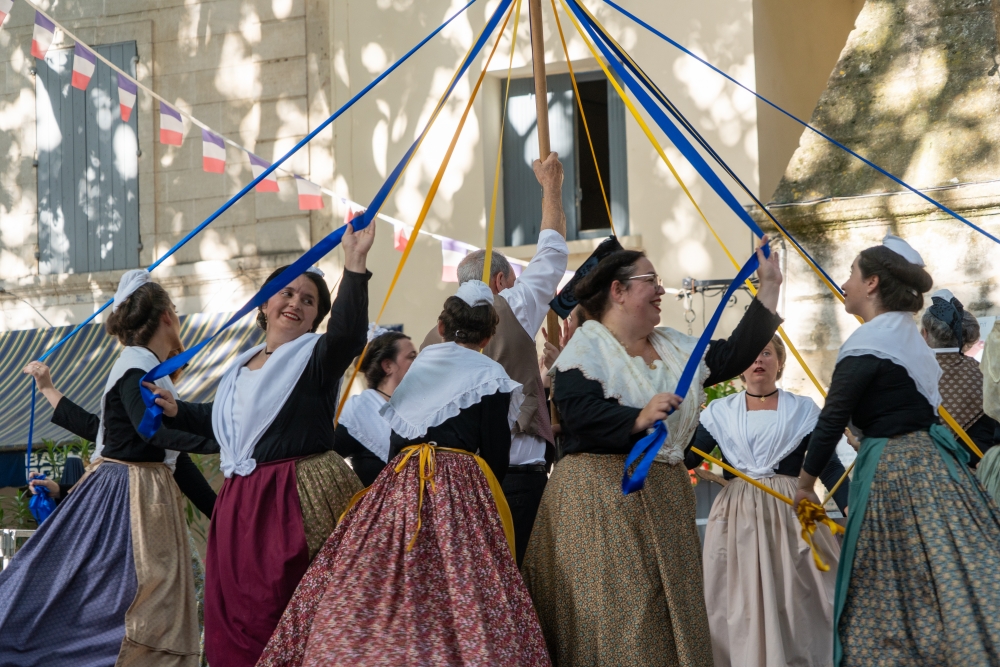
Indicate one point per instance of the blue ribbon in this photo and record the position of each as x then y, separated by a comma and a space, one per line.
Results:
647, 81
676, 137
153, 416
41, 504
234, 199
645, 450
804, 124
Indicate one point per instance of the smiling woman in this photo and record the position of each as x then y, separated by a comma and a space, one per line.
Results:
285, 487
591, 544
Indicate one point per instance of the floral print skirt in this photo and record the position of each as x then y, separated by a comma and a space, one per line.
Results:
454, 597
922, 587
617, 580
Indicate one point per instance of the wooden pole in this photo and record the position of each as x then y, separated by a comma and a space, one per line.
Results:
542, 126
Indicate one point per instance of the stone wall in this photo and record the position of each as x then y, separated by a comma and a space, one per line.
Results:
916, 90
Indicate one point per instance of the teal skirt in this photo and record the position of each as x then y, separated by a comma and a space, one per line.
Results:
920, 558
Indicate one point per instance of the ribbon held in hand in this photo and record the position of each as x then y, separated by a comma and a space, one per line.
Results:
645, 450
810, 515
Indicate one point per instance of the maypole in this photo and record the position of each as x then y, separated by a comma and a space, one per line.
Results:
542, 126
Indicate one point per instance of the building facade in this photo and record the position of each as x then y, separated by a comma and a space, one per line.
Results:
84, 196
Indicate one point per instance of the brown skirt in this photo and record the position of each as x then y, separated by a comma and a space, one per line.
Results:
767, 602
617, 580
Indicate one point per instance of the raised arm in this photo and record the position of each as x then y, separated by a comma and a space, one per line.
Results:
729, 357
550, 176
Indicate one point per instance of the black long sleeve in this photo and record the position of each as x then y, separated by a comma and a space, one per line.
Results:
76, 420
194, 485
304, 424
164, 438
599, 425
728, 357
189, 479
876, 394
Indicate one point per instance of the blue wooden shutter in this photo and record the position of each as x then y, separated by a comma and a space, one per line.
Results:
88, 186
522, 196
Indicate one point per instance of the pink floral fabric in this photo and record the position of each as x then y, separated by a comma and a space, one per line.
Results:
456, 599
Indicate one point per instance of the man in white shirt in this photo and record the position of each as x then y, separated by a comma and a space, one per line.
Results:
522, 305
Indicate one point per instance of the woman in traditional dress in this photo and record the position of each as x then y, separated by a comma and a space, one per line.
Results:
362, 435
80, 422
285, 487
617, 579
768, 604
421, 569
947, 332
917, 578
107, 578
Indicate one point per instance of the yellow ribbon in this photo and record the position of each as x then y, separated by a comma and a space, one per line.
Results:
428, 467
431, 192
810, 514
808, 517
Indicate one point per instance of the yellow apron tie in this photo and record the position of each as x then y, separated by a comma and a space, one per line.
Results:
426, 471
810, 514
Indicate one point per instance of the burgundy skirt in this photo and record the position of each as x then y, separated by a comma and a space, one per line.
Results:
454, 598
259, 548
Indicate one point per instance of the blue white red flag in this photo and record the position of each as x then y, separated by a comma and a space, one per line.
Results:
171, 126
5, 6
213, 153
269, 184
310, 195
84, 63
126, 96
453, 252
41, 38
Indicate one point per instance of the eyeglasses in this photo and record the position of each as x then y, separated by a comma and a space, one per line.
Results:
648, 278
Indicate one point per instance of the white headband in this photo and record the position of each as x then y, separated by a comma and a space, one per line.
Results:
475, 293
374, 331
130, 282
944, 294
316, 270
902, 248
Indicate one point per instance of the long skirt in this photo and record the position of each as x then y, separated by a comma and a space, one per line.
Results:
768, 604
617, 579
917, 579
107, 578
417, 573
988, 471
265, 530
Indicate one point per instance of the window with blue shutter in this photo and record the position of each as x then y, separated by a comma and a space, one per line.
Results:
88, 164
586, 215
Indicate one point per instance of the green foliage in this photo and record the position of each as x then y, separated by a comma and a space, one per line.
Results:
16, 513
720, 390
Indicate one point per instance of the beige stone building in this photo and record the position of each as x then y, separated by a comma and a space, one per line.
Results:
265, 72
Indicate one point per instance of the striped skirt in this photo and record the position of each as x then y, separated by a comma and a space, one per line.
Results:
617, 579
415, 577
107, 579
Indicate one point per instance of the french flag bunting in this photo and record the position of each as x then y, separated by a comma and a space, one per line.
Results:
269, 184
400, 237
5, 6
310, 195
84, 63
213, 153
171, 126
41, 38
126, 96
453, 252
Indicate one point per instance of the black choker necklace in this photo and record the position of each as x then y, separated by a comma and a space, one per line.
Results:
268, 354
387, 396
762, 397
